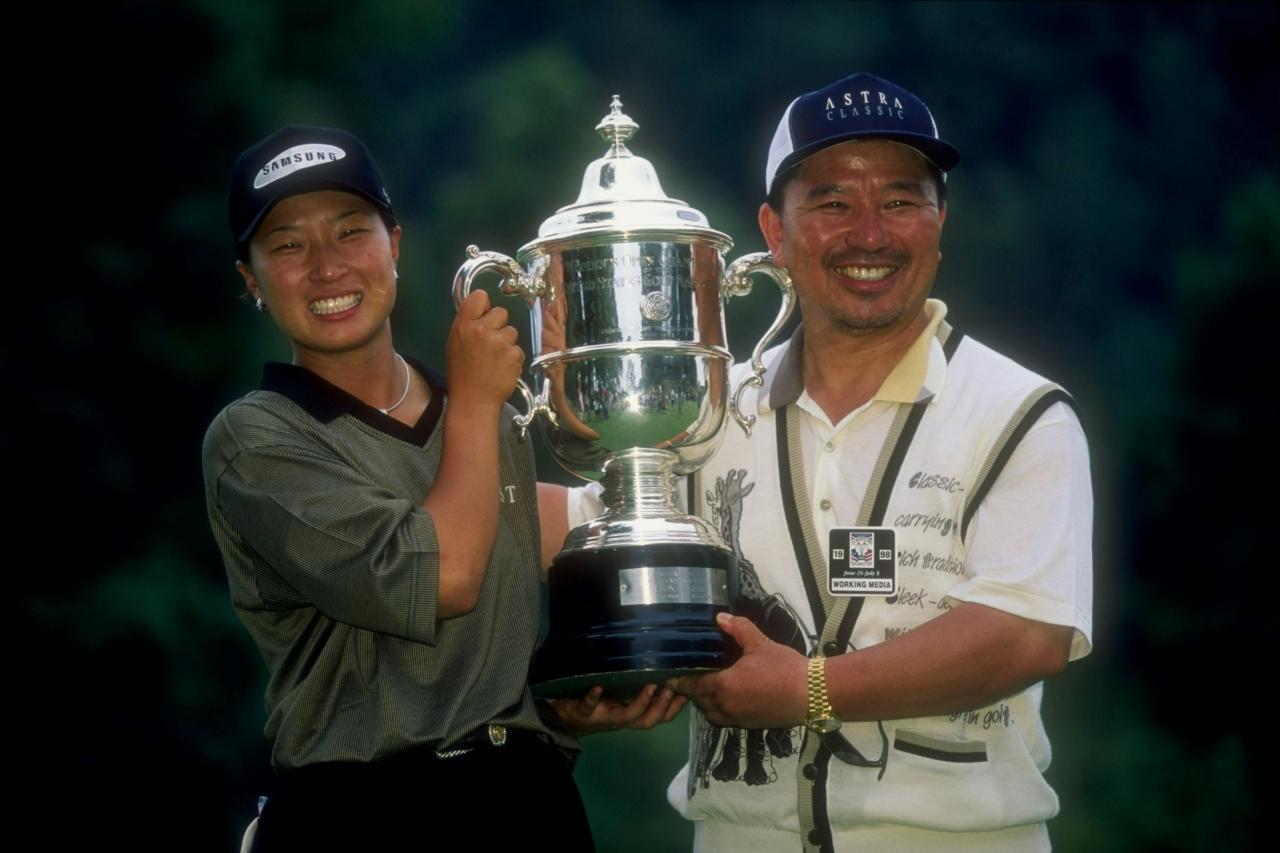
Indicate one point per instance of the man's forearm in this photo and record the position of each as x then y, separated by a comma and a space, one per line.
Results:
969, 657
964, 659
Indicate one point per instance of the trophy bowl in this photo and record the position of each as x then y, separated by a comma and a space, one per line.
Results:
626, 289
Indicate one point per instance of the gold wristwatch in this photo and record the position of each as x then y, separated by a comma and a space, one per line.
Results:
822, 719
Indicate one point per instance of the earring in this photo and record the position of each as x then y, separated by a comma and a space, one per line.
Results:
397, 273
259, 304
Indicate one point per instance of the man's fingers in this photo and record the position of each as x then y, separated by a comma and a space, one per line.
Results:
743, 630
676, 706
715, 717
700, 690
685, 685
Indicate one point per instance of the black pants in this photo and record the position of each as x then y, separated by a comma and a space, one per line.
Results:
519, 796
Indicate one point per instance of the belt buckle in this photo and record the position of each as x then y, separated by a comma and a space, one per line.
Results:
495, 732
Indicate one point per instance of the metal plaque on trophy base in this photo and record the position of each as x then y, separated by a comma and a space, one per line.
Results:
626, 289
632, 615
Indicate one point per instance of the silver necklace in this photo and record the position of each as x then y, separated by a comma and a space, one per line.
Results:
389, 409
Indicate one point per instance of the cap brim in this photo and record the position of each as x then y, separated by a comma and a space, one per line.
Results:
310, 185
937, 152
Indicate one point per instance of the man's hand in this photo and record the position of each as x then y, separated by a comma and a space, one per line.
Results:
766, 689
592, 713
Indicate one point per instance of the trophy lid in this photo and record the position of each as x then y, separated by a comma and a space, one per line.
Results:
621, 195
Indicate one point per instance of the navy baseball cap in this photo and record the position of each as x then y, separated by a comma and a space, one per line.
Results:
861, 106
300, 159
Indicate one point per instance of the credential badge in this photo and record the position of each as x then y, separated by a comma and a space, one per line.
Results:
862, 561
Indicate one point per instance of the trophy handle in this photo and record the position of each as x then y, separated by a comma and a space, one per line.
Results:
534, 404
738, 283
514, 283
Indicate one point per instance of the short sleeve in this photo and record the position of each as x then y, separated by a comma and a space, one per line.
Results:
1030, 550
349, 547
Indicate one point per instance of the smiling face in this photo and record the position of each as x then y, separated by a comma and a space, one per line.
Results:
859, 232
325, 264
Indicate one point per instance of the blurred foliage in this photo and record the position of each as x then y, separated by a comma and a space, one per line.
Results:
1113, 225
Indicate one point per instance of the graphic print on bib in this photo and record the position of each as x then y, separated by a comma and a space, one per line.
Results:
727, 753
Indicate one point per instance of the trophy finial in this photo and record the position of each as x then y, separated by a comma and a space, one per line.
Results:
617, 127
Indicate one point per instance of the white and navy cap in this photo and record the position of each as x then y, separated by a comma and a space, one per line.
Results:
300, 159
861, 106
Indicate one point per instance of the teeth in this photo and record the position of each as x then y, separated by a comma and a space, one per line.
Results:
866, 273
336, 304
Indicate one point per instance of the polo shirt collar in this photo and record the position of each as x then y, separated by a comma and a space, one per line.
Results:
326, 402
919, 375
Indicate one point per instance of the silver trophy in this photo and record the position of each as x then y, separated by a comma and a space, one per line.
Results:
626, 288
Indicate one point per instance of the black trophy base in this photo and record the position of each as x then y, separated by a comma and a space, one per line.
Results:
630, 616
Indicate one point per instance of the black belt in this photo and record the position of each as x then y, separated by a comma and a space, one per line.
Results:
492, 735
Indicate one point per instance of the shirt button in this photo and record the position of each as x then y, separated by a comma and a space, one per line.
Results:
815, 836
810, 772
831, 648
824, 504
829, 446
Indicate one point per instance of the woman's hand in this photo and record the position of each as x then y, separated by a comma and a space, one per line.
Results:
482, 357
594, 713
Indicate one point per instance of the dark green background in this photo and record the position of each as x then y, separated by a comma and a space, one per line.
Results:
1113, 225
